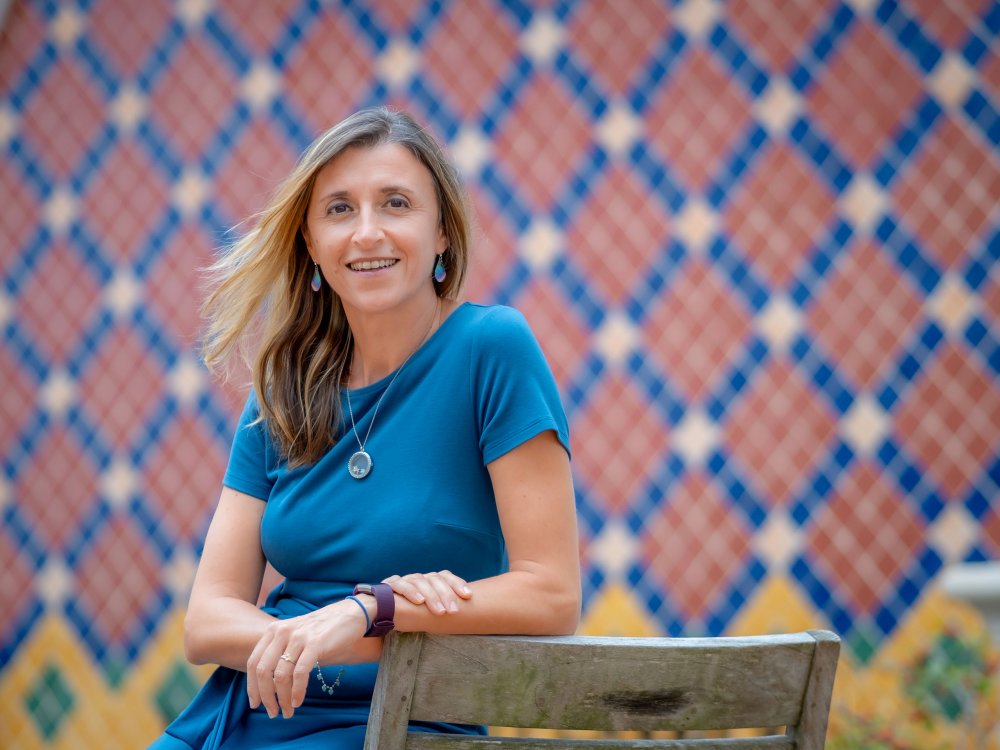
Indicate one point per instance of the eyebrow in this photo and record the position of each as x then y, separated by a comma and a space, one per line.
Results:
386, 190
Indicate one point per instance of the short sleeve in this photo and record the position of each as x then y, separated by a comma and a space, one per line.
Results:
513, 387
247, 471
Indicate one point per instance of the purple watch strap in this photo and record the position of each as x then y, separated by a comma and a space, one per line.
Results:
385, 607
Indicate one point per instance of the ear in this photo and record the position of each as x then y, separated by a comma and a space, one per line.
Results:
442, 240
307, 238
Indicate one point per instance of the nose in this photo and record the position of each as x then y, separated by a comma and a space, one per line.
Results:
367, 231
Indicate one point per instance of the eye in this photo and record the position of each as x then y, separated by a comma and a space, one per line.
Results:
397, 201
337, 208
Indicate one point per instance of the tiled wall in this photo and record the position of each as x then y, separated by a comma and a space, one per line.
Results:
757, 239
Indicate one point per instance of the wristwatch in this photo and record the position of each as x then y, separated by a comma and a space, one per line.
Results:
385, 607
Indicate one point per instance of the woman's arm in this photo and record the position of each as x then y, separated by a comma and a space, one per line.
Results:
540, 594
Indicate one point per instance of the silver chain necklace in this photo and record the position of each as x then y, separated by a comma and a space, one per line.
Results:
360, 464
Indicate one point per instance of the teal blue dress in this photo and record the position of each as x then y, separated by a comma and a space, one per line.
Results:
477, 388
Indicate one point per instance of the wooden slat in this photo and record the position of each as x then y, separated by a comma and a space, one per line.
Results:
393, 691
635, 683
419, 741
811, 730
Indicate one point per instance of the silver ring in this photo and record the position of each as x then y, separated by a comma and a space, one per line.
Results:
286, 657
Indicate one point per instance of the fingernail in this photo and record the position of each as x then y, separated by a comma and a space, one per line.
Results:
439, 607
453, 607
467, 591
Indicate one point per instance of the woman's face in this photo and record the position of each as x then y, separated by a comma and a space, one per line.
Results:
373, 224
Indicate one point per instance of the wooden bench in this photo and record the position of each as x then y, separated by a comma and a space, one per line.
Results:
610, 684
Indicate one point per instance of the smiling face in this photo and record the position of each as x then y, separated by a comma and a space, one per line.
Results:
373, 224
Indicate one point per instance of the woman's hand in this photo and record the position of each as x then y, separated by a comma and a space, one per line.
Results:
278, 670
439, 591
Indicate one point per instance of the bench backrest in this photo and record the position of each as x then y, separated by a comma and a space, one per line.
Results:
579, 682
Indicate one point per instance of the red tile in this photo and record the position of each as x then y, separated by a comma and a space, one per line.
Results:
186, 462
121, 386
537, 157
559, 330
125, 200
948, 192
117, 580
695, 545
19, 218
251, 170
777, 431
864, 538
779, 213
21, 35
695, 120
950, 419
863, 314
58, 302
989, 75
177, 284
864, 94
329, 71
17, 586
63, 117
470, 51
127, 34
990, 296
17, 400
57, 488
696, 329
494, 248
948, 23
616, 40
396, 15
192, 99
232, 392
260, 25
617, 232
777, 31
618, 442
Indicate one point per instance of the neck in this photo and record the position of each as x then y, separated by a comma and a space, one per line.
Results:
383, 343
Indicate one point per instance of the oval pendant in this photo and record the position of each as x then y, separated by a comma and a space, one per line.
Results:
359, 465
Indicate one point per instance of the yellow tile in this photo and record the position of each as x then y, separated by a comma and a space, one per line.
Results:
777, 606
615, 611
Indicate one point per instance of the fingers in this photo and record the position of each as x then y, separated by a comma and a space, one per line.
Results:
439, 591
273, 670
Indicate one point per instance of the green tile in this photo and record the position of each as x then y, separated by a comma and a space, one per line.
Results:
49, 702
176, 691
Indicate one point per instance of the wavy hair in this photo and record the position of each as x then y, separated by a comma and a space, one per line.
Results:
297, 343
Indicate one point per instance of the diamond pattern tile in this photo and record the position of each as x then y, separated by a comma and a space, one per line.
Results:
948, 194
615, 41
864, 314
186, 99
626, 442
858, 111
779, 32
950, 420
49, 702
755, 239
778, 430
537, 158
697, 118
127, 36
864, 537
779, 213
697, 329
616, 258
695, 545
484, 38
63, 117
120, 553
57, 489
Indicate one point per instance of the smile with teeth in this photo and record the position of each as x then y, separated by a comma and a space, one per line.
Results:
371, 265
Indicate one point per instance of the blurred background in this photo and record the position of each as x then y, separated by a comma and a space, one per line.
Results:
757, 240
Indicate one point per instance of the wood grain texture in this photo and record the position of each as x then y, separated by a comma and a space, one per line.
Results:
577, 682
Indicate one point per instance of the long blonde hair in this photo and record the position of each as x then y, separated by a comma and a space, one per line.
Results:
297, 343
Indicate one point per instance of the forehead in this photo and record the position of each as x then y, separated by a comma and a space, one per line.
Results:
371, 167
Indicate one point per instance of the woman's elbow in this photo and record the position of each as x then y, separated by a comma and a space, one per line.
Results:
564, 615
194, 642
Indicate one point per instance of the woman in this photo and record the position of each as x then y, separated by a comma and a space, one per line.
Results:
394, 437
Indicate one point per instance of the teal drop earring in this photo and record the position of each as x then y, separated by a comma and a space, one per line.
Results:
317, 280
440, 272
